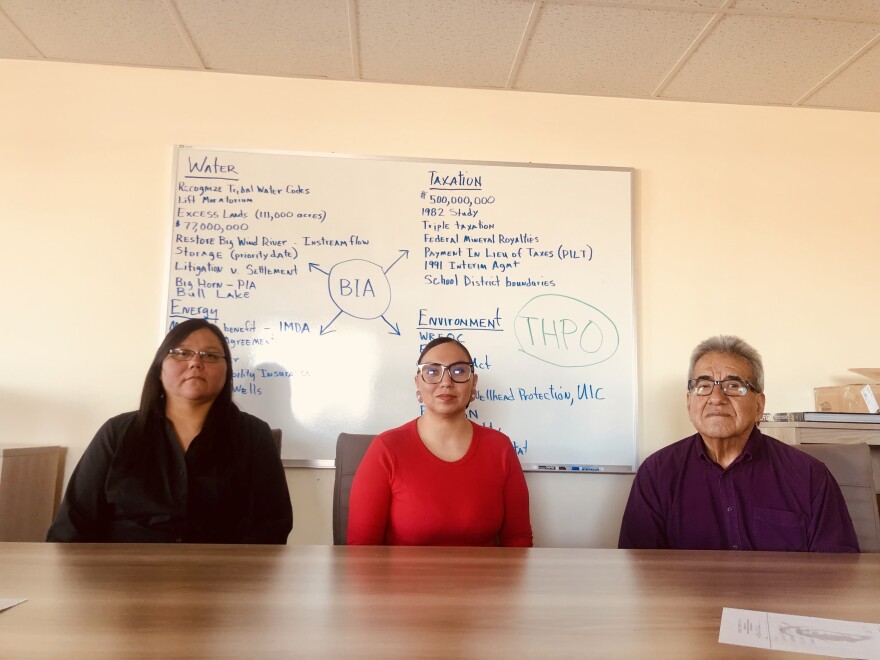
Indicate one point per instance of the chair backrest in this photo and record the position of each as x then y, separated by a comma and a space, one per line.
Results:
350, 449
851, 467
276, 435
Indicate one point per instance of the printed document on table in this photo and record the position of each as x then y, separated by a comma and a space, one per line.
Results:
800, 634
6, 603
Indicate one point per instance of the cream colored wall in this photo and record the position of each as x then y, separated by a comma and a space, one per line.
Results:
311, 493
755, 221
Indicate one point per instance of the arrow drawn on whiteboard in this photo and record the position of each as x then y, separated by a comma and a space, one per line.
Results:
403, 253
361, 289
326, 328
395, 329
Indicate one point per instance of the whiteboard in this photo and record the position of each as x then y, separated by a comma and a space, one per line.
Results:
329, 273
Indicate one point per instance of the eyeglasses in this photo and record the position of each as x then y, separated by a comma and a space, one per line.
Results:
459, 372
187, 354
729, 386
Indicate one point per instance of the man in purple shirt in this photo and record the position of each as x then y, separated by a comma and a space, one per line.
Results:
730, 487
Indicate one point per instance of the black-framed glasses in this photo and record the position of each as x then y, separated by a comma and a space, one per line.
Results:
187, 354
459, 372
729, 386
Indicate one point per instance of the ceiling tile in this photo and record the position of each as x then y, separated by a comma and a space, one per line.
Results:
764, 52
750, 59
850, 9
139, 32
856, 88
271, 37
608, 51
469, 43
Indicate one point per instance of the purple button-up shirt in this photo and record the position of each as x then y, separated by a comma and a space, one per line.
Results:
772, 497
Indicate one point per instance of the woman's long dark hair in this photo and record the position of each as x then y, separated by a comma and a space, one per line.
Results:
152, 408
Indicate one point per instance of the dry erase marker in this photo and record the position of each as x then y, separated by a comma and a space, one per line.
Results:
570, 468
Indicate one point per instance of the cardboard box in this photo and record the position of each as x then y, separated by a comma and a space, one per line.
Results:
843, 398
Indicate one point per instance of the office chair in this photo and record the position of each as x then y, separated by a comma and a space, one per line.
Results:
276, 435
350, 449
851, 467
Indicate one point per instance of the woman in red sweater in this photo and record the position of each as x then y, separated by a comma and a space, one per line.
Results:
440, 479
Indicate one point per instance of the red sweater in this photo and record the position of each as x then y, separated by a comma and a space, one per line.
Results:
404, 495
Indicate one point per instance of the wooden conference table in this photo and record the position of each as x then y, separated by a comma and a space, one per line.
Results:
119, 601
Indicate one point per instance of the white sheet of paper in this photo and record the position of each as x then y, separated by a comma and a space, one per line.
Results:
800, 634
870, 399
6, 603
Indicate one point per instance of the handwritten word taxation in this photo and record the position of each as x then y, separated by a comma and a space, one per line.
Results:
458, 181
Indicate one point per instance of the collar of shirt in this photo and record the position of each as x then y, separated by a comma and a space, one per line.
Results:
752, 451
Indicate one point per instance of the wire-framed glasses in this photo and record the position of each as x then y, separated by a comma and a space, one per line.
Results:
459, 372
729, 386
187, 354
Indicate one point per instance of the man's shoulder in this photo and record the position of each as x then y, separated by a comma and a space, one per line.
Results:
780, 452
676, 451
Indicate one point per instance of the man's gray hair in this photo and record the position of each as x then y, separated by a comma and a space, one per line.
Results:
730, 345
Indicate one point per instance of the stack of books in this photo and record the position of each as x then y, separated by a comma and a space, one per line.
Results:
839, 417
